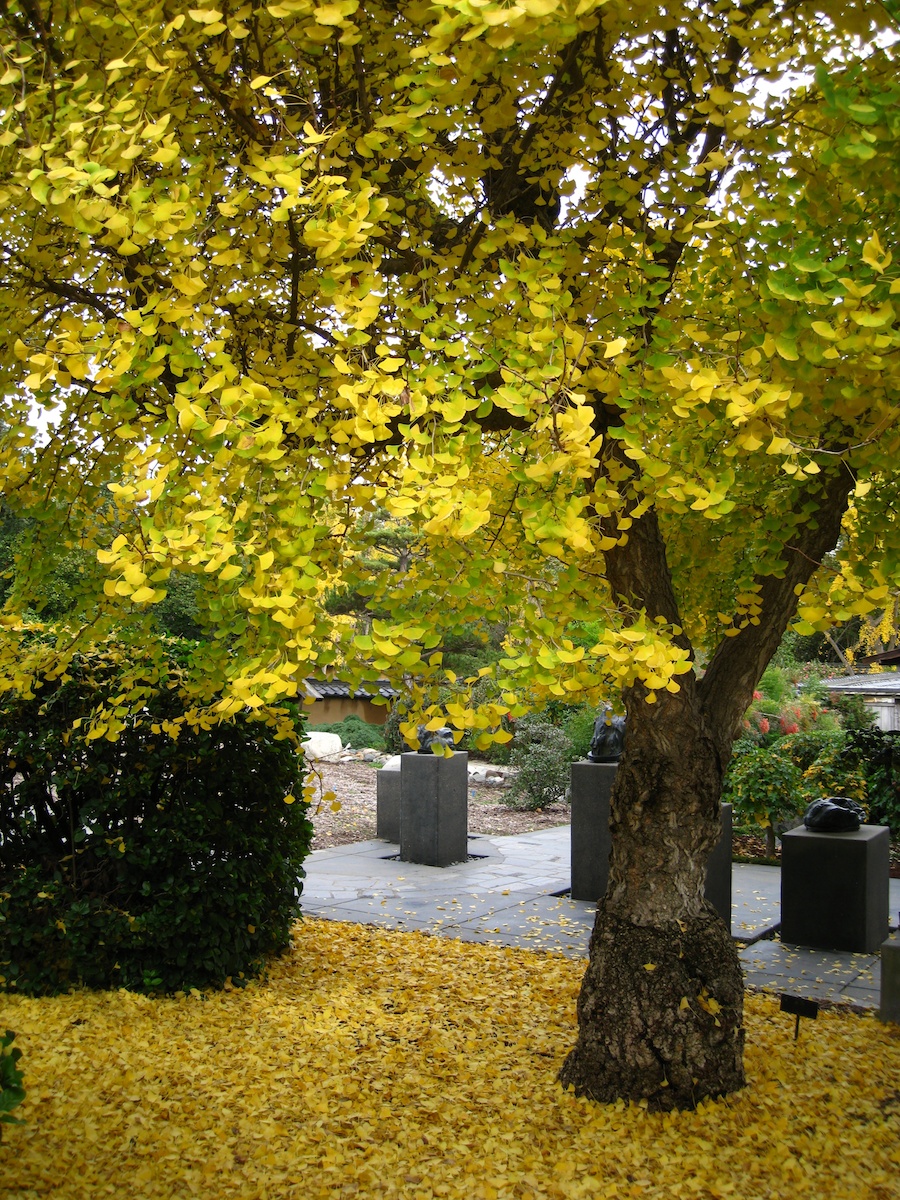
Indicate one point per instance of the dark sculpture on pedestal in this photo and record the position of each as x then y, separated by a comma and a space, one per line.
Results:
428, 738
834, 814
609, 738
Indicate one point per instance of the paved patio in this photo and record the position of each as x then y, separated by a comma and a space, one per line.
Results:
513, 891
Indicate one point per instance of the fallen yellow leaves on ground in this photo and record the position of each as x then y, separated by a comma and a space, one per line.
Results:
382, 1064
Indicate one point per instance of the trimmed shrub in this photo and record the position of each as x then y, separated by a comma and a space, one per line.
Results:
542, 756
155, 861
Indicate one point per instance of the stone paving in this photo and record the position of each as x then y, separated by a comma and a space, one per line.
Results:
513, 891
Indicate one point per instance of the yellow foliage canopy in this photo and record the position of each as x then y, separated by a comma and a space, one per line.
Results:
505, 277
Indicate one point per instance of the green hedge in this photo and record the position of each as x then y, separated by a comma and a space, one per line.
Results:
11, 1091
355, 732
150, 862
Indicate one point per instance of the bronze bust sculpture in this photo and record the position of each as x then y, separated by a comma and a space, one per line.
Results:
428, 738
609, 738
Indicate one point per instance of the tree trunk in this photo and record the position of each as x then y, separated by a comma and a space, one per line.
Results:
771, 848
661, 1006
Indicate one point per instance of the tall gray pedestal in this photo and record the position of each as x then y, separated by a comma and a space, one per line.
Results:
889, 1009
718, 868
387, 804
591, 787
834, 888
433, 809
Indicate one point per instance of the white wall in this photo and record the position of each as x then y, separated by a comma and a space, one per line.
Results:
887, 714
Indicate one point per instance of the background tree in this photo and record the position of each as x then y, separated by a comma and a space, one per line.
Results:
595, 297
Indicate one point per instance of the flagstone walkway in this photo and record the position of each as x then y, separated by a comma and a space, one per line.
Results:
513, 891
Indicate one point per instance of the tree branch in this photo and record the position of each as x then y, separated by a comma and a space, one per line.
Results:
252, 128
727, 687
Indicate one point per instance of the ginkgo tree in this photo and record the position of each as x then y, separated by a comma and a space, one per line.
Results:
594, 300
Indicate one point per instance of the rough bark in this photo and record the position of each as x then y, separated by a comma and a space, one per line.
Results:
661, 1007
660, 1013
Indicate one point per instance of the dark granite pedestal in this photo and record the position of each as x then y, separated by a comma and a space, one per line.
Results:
889, 1009
387, 804
433, 809
718, 867
591, 787
834, 888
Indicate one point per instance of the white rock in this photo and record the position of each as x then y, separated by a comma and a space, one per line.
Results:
392, 763
318, 744
369, 755
488, 776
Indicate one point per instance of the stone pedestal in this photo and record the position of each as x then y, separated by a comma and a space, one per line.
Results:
591, 787
387, 804
834, 888
889, 1009
433, 809
718, 868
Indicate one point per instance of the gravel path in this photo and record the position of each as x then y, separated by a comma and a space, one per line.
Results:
353, 784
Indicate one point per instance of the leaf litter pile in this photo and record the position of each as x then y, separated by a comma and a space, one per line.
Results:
384, 1064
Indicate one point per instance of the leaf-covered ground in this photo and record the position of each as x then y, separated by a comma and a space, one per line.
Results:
385, 1064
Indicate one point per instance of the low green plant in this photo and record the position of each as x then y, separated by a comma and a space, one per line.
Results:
11, 1091
542, 756
804, 748
834, 773
392, 738
150, 861
355, 732
854, 713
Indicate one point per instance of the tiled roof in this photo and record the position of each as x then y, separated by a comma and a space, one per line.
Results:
886, 658
879, 683
336, 689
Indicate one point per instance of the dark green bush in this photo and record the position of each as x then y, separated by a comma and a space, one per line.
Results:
11, 1091
876, 753
355, 732
768, 785
150, 862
